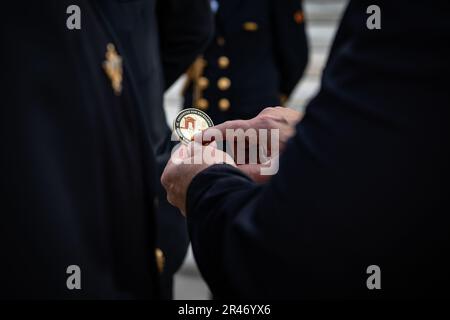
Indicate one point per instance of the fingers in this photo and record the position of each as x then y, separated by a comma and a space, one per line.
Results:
291, 116
197, 154
186, 162
167, 175
235, 124
281, 118
219, 132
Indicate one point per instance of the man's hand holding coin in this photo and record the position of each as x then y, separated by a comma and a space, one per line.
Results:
279, 118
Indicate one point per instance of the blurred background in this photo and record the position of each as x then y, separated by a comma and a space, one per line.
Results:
322, 18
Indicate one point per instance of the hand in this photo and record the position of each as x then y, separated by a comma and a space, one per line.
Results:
283, 119
256, 171
186, 162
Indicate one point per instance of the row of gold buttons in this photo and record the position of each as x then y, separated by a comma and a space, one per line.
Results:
223, 83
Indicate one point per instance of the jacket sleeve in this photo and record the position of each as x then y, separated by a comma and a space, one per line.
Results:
348, 195
290, 42
360, 184
242, 233
185, 28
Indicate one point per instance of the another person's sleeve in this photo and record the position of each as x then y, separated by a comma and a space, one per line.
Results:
244, 235
334, 208
290, 43
185, 28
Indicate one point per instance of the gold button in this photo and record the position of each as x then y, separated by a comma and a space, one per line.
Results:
160, 260
251, 26
221, 41
202, 104
223, 62
299, 17
283, 99
203, 83
224, 104
224, 83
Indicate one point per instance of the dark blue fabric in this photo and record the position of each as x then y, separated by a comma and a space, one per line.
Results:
78, 171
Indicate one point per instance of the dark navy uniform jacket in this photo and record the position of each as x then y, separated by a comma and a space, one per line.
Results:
257, 57
78, 171
184, 28
363, 182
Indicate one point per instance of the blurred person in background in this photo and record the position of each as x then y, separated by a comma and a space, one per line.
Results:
257, 57
81, 116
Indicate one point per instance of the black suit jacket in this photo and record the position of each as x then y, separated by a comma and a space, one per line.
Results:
361, 183
79, 176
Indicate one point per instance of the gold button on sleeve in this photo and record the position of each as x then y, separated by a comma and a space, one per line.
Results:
160, 260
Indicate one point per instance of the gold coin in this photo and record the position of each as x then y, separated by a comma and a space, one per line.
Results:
190, 122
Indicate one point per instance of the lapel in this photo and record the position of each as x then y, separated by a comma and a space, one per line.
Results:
127, 71
127, 76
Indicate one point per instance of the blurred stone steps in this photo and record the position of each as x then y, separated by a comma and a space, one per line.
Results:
324, 10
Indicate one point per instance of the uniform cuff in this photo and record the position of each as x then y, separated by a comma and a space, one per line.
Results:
203, 181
